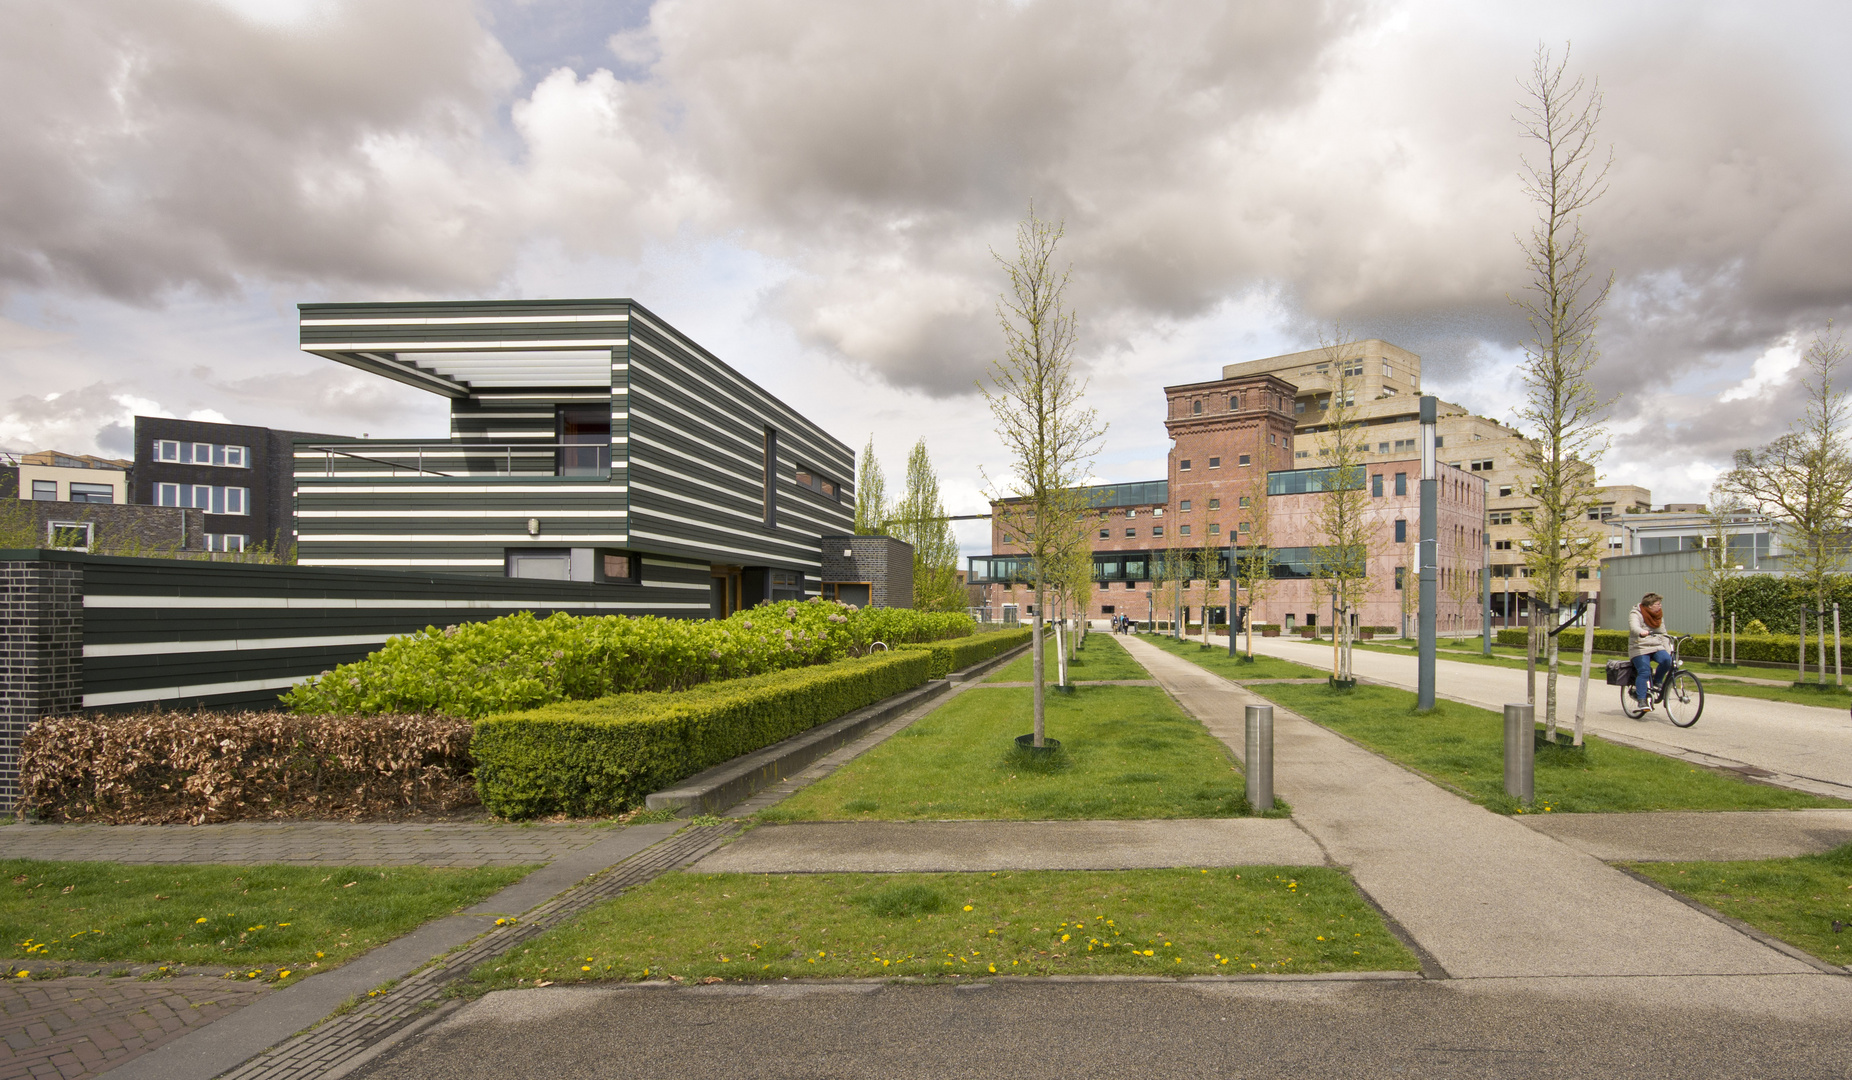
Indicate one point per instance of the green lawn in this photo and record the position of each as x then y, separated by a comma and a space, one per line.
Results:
1462, 748
1127, 752
1144, 922
1717, 677
1216, 659
1100, 658
302, 918
1796, 900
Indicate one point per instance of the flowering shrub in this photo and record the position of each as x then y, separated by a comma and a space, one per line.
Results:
170, 768
600, 757
520, 662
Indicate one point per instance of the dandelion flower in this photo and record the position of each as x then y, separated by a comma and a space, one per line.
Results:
967, 907
197, 921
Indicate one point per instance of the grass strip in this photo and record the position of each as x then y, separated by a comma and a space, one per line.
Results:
1797, 900
1130, 922
1100, 658
1721, 679
1238, 669
1127, 752
1462, 748
305, 918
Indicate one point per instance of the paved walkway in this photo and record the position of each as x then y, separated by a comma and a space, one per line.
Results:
321, 843
1803, 746
1483, 895
906, 846
81, 1026
1688, 836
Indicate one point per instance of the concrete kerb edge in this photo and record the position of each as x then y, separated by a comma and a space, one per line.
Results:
733, 782
1738, 925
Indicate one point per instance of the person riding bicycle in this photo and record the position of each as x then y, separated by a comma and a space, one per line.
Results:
1648, 644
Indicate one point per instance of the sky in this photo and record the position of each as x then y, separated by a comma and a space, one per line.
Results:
816, 191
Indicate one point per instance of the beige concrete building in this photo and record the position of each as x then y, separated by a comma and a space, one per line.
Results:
52, 476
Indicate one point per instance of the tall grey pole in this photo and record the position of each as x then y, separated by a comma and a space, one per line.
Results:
1485, 565
1233, 585
1430, 576
1258, 764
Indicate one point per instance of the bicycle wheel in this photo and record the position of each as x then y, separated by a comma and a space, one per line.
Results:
1628, 706
1684, 698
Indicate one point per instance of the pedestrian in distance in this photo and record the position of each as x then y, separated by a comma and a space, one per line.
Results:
1648, 644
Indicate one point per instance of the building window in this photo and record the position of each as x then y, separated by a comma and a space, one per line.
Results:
1105, 534
1298, 406
1482, 465
1399, 571
1157, 511
547, 564
769, 478
213, 500
1504, 491
1501, 545
1132, 512
1234, 403
1382, 448
1244, 501
1184, 465
1246, 525
1402, 445
1302, 453
1500, 517
69, 535
1353, 367
1401, 530
1157, 530
192, 453
1401, 483
1183, 507
810, 480
1215, 463
1215, 504
226, 541
1183, 530
625, 568
1388, 372
1440, 441
45, 491
1196, 406
1131, 532
1243, 461
1376, 485
92, 493
1008, 539
1215, 528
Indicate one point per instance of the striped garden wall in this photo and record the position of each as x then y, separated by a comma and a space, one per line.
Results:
98, 632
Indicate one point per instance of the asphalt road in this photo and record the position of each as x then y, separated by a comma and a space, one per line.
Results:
1537, 1029
1798, 740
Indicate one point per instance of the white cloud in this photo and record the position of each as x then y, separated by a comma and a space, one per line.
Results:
1770, 370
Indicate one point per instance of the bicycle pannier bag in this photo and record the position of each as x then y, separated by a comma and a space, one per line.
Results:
1620, 672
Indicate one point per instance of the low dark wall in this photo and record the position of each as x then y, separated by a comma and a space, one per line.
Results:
89, 632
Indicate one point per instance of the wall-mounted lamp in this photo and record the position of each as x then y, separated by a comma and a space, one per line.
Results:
533, 526
848, 553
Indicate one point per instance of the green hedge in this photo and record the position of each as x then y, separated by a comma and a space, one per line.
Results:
583, 758
1755, 648
950, 656
479, 669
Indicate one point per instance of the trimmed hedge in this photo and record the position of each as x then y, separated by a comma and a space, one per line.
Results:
519, 662
601, 757
1756, 648
950, 656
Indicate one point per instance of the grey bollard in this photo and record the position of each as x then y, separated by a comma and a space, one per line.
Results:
1520, 751
1259, 760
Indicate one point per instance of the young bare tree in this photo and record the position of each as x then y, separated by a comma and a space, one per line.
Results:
1803, 481
871, 508
1717, 575
1036, 396
919, 518
1342, 559
1254, 558
1565, 173
1462, 587
1207, 560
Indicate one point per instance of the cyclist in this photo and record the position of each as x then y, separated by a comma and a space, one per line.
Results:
1647, 644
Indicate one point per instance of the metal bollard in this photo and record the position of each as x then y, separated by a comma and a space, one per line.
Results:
1259, 760
1520, 751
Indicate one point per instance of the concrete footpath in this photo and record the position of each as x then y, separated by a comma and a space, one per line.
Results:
1480, 894
1803, 746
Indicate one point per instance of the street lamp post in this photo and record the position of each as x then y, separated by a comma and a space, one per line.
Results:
1485, 564
1233, 591
1430, 528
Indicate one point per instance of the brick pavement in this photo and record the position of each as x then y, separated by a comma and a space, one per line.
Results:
77, 1027
328, 843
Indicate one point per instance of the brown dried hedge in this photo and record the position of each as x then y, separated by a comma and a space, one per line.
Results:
198, 767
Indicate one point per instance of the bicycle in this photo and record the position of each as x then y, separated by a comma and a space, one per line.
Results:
1677, 689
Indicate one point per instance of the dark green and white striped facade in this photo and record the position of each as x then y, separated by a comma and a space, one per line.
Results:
703, 473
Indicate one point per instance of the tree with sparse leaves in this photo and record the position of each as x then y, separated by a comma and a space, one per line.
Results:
870, 494
1037, 397
919, 518
1346, 528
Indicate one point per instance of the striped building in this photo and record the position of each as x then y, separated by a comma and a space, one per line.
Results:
590, 441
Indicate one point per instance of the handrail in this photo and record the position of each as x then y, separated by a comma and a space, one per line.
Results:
507, 451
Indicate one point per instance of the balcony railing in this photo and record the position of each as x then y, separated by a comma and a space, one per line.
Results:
453, 460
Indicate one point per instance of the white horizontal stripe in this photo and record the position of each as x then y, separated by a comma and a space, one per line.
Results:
168, 693
551, 539
459, 321
454, 346
336, 487
583, 395
756, 553
390, 513
166, 648
335, 603
819, 440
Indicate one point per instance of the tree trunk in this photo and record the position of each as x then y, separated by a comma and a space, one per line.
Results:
1549, 693
1040, 664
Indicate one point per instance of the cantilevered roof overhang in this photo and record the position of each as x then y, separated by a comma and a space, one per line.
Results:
455, 347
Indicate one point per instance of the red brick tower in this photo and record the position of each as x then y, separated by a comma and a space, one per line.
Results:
1227, 435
